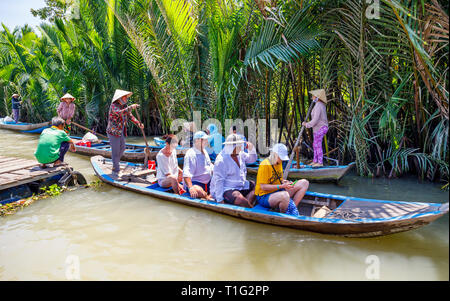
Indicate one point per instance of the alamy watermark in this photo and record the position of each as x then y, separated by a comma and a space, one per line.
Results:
252, 130
373, 10
72, 267
373, 267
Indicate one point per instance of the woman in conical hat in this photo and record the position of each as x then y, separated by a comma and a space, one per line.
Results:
118, 116
319, 123
16, 104
66, 110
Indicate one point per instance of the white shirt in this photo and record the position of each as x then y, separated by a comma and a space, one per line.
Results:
197, 166
166, 165
228, 175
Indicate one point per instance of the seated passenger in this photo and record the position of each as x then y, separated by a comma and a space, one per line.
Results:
274, 192
53, 144
167, 171
197, 169
229, 183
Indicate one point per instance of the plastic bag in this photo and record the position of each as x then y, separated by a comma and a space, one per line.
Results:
89, 137
8, 119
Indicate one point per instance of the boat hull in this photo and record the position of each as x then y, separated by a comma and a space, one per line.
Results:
314, 174
333, 226
25, 127
133, 152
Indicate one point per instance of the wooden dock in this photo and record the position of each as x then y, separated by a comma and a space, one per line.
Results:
15, 172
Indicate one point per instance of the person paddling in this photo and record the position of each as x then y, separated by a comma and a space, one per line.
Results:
16, 104
66, 110
319, 123
116, 130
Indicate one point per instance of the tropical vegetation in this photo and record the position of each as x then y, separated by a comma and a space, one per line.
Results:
383, 63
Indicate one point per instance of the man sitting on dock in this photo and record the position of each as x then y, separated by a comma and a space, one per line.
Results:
53, 144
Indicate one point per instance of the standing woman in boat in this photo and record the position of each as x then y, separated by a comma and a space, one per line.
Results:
16, 104
167, 171
118, 116
197, 169
319, 123
66, 110
229, 183
274, 192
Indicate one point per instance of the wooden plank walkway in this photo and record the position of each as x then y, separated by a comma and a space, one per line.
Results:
16, 171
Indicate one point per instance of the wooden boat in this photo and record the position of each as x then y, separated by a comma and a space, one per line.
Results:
349, 216
133, 152
314, 174
20, 178
24, 127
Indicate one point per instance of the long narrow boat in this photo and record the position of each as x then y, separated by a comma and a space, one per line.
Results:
349, 216
133, 152
24, 127
314, 174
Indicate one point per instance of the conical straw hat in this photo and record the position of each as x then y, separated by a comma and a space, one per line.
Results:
15, 95
119, 93
320, 93
68, 96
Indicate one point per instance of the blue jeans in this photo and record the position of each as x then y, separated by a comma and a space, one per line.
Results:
63, 150
117, 149
263, 200
16, 113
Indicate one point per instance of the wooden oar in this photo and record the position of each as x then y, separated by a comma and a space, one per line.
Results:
288, 167
84, 128
147, 149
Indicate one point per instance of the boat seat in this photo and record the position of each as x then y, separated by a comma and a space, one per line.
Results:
159, 188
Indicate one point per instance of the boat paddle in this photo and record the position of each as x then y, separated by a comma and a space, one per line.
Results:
85, 128
288, 166
147, 150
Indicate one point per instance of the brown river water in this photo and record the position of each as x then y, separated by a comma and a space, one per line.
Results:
106, 233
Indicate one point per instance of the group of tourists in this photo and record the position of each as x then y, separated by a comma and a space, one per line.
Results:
221, 177
225, 180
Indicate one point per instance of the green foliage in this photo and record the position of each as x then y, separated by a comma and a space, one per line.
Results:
386, 78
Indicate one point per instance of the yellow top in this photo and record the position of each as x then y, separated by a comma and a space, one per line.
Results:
266, 175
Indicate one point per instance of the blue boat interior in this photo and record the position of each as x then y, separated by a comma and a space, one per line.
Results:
312, 207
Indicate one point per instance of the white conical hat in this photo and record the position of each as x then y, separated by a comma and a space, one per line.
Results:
67, 95
15, 95
321, 94
119, 93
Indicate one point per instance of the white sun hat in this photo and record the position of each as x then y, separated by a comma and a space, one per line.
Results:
234, 139
15, 95
68, 96
281, 150
200, 135
120, 93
